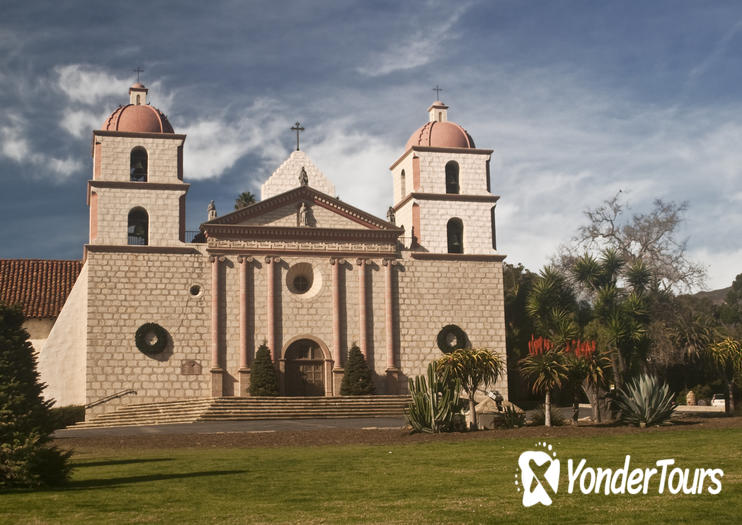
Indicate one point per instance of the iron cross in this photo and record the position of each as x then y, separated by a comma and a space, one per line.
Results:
437, 92
137, 71
297, 127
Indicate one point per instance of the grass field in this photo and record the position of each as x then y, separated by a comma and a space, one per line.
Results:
463, 481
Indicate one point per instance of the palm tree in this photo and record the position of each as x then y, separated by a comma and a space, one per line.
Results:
551, 304
544, 367
727, 356
244, 199
622, 311
472, 368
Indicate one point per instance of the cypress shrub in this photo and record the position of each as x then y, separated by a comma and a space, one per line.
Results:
26, 424
263, 376
357, 380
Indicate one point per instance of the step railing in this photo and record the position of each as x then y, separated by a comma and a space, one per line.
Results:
111, 397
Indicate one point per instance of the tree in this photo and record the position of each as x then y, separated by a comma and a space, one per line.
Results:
517, 284
621, 311
552, 305
727, 356
730, 312
244, 199
650, 238
264, 378
472, 368
26, 425
589, 369
357, 380
544, 367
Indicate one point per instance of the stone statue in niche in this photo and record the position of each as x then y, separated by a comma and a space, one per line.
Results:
390, 216
305, 215
303, 177
212, 211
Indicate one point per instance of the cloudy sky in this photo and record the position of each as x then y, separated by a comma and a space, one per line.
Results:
578, 100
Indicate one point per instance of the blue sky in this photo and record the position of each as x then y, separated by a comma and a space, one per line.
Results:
578, 100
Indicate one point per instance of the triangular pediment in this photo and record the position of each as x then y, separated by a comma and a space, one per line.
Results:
302, 207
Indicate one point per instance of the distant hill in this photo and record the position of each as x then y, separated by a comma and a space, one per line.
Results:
715, 296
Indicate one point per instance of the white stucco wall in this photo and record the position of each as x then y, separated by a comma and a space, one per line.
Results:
62, 361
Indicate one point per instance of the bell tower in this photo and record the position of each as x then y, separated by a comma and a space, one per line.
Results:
442, 189
137, 193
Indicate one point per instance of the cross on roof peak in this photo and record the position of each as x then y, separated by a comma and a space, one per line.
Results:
298, 128
137, 71
437, 92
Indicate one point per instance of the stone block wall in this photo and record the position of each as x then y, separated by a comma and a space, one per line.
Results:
115, 158
127, 290
475, 216
472, 172
433, 294
114, 205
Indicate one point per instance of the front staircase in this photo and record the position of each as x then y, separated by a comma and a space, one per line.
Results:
249, 408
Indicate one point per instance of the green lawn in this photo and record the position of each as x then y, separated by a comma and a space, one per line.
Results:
470, 481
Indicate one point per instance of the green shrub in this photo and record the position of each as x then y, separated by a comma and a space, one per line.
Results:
357, 380
66, 416
433, 405
645, 401
513, 418
263, 376
26, 457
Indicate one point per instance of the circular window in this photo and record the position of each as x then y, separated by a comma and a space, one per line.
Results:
301, 284
195, 290
303, 281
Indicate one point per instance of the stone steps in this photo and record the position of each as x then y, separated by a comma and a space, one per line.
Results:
249, 408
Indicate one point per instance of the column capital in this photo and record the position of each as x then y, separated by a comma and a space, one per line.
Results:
360, 261
337, 260
245, 259
389, 262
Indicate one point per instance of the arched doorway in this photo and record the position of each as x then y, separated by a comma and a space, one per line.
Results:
305, 369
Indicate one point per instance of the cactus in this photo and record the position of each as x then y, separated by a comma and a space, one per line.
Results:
434, 404
645, 401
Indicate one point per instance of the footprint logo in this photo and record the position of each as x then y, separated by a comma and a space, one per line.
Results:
538, 471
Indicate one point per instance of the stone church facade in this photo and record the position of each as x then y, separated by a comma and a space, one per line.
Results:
300, 270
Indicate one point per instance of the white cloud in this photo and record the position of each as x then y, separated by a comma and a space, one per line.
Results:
357, 163
214, 145
88, 85
421, 47
16, 147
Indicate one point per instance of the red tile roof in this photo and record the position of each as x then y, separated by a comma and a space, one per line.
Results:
40, 286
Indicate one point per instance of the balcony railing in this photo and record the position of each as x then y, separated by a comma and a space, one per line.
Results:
137, 240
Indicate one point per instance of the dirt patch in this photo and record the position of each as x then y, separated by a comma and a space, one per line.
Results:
336, 436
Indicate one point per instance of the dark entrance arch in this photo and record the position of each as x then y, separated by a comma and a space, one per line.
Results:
305, 369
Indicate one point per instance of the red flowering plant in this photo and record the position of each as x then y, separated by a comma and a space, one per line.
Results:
587, 369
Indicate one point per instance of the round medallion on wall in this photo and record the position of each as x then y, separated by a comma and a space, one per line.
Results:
151, 338
451, 338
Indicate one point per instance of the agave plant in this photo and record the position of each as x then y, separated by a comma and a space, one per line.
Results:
434, 402
645, 401
513, 418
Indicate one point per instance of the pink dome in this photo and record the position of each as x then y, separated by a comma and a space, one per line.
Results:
441, 135
138, 119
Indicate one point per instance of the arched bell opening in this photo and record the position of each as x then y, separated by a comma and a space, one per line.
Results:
138, 165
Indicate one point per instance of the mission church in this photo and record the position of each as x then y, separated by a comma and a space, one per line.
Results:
174, 317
